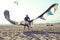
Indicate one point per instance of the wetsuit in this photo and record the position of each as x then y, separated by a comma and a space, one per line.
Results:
27, 19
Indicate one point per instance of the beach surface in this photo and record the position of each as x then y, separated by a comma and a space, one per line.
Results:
36, 32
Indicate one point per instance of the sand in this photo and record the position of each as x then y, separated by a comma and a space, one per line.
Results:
37, 32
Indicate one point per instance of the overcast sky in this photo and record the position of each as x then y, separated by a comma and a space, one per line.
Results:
33, 8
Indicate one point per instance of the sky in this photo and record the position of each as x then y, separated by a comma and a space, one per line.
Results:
33, 8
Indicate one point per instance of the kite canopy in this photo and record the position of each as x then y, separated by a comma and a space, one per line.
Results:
48, 11
7, 16
16, 2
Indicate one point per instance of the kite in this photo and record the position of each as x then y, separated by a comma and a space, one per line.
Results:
48, 11
7, 16
16, 2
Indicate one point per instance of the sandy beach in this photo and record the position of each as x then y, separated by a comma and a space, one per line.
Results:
36, 32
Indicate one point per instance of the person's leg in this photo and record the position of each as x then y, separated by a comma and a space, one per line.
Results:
24, 27
28, 27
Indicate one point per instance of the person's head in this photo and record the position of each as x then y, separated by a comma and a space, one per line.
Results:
26, 15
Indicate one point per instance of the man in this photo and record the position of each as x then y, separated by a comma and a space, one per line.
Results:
27, 18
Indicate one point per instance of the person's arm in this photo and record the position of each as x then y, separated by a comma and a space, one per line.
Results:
28, 18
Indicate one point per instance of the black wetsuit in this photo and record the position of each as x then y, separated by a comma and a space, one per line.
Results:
27, 19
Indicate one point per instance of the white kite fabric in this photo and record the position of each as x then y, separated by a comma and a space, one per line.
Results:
48, 11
